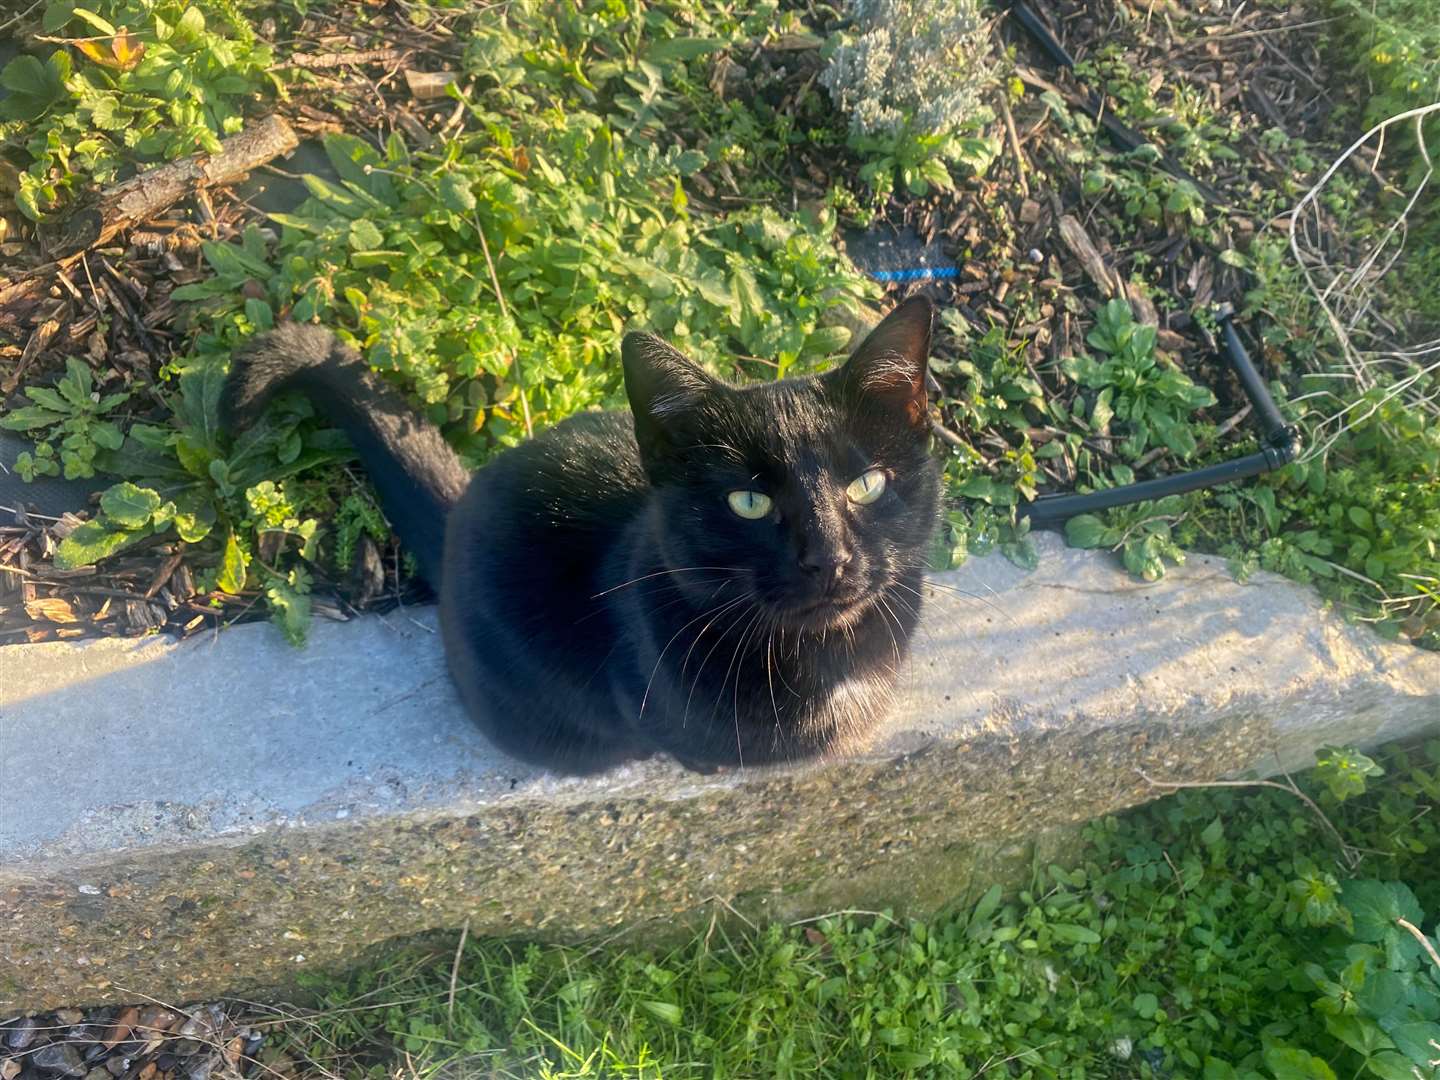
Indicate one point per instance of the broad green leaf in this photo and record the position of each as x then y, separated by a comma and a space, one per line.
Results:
194, 516
365, 235
1084, 531
1079, 935
128, 505
1376, 906
198, 408
93, 541
1288, 1063
827, 340
663, 1011
50, 399
987, 905
290, 605
1416, 1039
233, 566
191, 24
28, 417
456, 194
1388, 1065
94, 20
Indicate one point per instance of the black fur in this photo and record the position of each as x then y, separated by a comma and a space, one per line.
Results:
418, 476
600, 600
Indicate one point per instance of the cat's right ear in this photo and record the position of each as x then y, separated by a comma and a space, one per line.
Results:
664, 387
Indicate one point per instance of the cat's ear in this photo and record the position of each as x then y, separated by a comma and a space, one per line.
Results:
664, 387
890, 368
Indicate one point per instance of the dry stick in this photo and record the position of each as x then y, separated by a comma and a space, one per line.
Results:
1013, 138
12, 21
505, 314
1420, 937
1290, 787
133, 201
340, 59
455, 972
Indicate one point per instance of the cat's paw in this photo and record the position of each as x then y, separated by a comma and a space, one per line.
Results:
704, 768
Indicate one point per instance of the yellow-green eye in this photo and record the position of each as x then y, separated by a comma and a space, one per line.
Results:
751, 505
867, 487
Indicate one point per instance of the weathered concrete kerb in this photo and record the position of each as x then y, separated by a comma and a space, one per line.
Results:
186, 821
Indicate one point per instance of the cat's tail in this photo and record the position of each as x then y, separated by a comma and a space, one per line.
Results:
418, 475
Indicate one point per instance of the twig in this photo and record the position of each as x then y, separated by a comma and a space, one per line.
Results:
1346, 849
17, 18
505, 314
1420, 937
1013, 138
340, 59
948, 436
455, 972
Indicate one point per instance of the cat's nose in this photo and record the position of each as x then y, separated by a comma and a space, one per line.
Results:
826, 564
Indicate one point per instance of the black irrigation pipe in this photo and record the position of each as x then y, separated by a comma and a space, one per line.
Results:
1126, 138
1280, 443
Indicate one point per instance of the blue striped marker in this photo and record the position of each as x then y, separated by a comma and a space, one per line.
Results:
919, 273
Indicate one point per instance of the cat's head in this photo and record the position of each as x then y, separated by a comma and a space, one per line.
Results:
810, 494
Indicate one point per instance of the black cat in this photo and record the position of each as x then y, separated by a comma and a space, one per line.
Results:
730, 575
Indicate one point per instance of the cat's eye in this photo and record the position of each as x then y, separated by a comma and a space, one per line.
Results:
867, 487
751, 505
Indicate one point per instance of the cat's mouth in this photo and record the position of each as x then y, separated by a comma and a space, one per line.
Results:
831, 613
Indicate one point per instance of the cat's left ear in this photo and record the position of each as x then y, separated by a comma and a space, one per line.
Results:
664, 387
890, 367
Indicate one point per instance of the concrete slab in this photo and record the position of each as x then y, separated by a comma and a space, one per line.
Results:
215, 816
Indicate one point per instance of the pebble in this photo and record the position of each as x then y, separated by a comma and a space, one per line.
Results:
59, 1057
22, 1034
129, 1043
123, 1024
156, 1018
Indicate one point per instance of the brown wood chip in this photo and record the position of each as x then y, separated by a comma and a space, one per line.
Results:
51, 609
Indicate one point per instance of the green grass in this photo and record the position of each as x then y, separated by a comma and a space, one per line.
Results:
1204, 934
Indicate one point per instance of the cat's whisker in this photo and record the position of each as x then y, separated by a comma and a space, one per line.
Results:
958, 594
666, 586
662, 573
735, 699
894, 642
770, 674
685, 663
685, 718
651, 681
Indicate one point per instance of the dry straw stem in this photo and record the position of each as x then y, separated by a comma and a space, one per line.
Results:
1346, 296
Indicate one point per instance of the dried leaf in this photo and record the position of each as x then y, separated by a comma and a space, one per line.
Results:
124, 53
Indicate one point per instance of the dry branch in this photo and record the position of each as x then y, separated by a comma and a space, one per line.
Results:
1083, 248
134, 201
